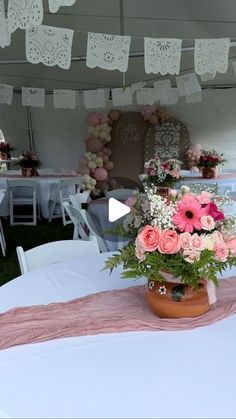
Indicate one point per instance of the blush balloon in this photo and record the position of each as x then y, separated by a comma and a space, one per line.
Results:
94, 145
100, 174
93, 119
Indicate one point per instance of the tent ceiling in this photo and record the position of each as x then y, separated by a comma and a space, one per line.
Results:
185, 19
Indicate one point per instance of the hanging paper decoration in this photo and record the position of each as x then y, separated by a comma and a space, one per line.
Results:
162, 89
122, 96
211, 55
110, 52
162, 55
194, 98
24, 13
146, 96
64, 99
49, 45
137, 86
187, 84
5, 36
170, 97
94, 99
234, 66
208, 76
54, 5
6, 93
33, 97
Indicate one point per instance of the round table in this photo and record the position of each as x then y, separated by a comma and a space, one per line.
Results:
185, 374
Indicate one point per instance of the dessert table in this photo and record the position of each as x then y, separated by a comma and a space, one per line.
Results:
185, 374
46, 185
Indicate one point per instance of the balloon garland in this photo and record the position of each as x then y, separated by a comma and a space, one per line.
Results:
95, 164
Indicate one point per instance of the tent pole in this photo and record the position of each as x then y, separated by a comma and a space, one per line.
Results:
30, 128
122, 31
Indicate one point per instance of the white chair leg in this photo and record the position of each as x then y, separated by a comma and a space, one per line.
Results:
2, 240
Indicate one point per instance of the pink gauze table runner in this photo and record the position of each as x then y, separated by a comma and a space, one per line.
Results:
105, 312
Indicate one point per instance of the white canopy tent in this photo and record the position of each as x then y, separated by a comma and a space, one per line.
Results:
59, 134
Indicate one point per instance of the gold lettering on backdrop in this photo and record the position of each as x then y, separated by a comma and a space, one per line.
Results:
128, 133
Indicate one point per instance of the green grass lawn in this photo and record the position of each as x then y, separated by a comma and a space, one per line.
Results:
28, 237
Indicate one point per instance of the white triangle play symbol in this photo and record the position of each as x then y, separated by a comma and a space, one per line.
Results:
116, 210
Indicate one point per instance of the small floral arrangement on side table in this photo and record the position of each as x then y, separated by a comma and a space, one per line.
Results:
162, 174
29, 161
5, 150
180, 246
209, 161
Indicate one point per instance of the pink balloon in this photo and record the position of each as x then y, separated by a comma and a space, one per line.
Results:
100, 174
153, 120
106, 151
83, 170
114, 115
94, 145
83, 161
109, 165
93, 119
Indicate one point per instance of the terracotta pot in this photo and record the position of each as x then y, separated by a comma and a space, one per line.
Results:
29, 171
164, 191
4, 156
209, 172
175, 299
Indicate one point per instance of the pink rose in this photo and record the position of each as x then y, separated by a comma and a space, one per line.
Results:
212, 209
185, 240
217, 237
139, 251
148, 238
191, 255
207, 222
230, 242
197, 242
221, 251
170, 242
173, 192
205, 197
152, 172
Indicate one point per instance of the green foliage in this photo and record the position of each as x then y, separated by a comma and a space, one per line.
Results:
155, 263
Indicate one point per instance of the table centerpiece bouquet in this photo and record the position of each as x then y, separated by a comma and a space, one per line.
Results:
208, 163
29, 162
5, 150
180, 246
162, 175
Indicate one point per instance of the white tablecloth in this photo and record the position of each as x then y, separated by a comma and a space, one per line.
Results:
188, 374
44, 192
224, 181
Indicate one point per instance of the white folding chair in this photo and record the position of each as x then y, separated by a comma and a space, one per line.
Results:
80, 198
2, 237
65, 188
22, 193
55, 252
84, 226
120, 193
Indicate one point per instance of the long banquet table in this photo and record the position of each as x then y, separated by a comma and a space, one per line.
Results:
225, 181
184, 374
45, 183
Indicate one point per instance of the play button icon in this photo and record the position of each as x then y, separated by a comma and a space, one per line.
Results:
116, 210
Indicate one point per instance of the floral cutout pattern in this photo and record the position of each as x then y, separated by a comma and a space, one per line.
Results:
94, 99
24, 13
33, 97
64, 99
6, 93
211, 55
54, 5
122, 97
162, 55
49, 45
110, 52
2, 8
5, 36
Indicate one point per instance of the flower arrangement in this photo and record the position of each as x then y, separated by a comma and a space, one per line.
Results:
28, 159
159, 173
189, 237
5, 148
210, 159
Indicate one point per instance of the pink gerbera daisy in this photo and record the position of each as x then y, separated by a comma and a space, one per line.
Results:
188, 215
